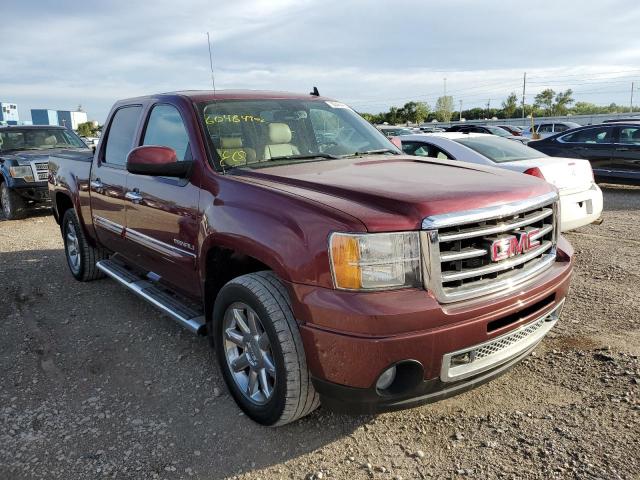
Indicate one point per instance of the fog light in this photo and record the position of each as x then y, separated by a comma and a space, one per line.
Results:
462, 358
386, 379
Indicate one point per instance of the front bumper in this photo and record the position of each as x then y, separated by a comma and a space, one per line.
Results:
346, 365
580, 208
32, 191
345, 399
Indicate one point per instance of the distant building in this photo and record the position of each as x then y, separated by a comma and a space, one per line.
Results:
44, 117
9, 113
63, 118
71, 119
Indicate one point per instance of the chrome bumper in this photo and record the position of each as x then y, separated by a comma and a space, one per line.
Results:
485, 356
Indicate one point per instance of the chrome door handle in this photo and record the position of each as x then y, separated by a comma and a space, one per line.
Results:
96, 184
135, 197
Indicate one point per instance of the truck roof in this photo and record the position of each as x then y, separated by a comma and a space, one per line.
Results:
209, 95
30, 127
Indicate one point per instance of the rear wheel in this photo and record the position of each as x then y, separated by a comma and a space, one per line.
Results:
13, 205
260, 352
81, 257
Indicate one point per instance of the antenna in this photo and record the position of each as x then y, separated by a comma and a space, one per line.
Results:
213, 84
213, 78
315, 92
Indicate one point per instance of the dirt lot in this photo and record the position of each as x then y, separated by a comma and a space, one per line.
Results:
96, 384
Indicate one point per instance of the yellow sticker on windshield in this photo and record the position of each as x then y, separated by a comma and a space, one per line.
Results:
233, 157
214, 119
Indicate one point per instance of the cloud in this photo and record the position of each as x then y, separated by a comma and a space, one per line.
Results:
371, 54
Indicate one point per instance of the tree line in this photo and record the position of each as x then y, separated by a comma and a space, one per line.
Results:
547, 103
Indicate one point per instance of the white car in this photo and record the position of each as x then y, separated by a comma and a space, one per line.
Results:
580, 197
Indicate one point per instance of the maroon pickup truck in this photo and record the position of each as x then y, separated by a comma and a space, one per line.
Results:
324, 265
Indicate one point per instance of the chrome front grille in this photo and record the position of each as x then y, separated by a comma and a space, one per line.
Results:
40, 171
477, 252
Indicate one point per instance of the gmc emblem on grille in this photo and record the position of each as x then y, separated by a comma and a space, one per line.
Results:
509, 246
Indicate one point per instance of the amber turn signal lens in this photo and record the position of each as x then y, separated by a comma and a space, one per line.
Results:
345, 256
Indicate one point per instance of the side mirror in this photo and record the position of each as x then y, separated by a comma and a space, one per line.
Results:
157, 161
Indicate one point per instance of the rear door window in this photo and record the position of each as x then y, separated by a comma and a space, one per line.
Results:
630, 135
545, 128
121, 135
589, 135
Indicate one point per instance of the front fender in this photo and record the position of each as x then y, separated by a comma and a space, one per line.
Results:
286, 232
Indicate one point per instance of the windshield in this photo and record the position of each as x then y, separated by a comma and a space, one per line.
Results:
38, 139
265, 133
500, 150
501, 132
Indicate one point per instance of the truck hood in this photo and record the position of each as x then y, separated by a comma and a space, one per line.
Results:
397, 193
27, 156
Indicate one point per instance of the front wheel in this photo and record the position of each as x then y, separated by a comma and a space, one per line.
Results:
81, 257
260, 351
13, 206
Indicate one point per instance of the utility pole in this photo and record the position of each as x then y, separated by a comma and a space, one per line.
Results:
488, 107
631, 103
460, 110
524, 91
445, 86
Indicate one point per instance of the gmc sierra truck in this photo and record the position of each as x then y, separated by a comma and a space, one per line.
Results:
323, 264
24, 156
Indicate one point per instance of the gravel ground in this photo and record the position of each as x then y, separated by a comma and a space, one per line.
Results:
96, 384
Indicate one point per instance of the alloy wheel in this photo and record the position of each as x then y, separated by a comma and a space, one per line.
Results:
248, 353
72, 247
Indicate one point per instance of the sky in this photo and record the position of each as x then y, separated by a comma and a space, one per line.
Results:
59, 54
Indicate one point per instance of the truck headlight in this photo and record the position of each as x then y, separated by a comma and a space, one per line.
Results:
22, 171
375, 261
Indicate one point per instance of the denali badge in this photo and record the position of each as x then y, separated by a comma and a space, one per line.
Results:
506, 247
180, 243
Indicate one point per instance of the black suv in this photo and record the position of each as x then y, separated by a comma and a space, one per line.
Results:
24, 164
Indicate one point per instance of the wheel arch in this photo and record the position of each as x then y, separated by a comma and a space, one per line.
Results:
221, 263
63, 201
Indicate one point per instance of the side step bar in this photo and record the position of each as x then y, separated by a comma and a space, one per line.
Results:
187, 317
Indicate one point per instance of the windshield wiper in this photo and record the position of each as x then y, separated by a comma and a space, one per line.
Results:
305, 157
21, 149
373, 152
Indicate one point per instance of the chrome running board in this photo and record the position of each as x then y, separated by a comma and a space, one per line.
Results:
169, 304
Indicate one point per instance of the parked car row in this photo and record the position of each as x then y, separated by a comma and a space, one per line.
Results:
488, 129
612, 148
580, 197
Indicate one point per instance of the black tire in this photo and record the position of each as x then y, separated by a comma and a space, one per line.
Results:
85, 268
293, 395
13, 206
